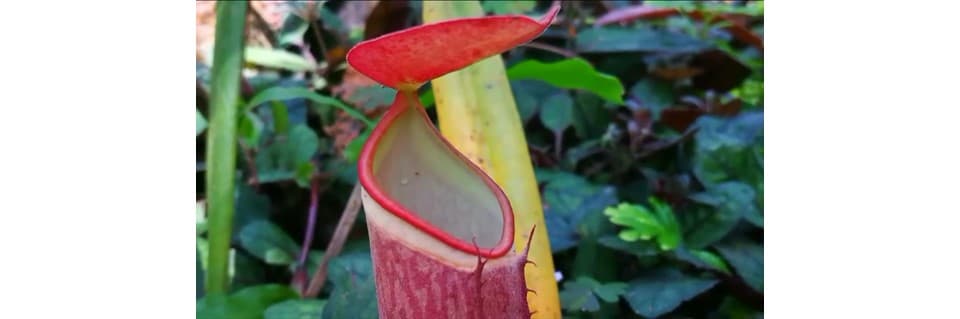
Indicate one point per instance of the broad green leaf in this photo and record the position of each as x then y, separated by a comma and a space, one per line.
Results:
354, 299
527, 105
582, 294
578, 296
569, 201
645, 39
575, 154
250, 205
287, 93
591, 117
730, 149
246, 271
348, 267
703, 226
508, 7
201, 123
735, 309
638, 248
247, 303
276, 58
572, 73
703, 259
296, 309
711, 259
269, 242
660, 291
530, 96
610, 292
557, 112
653, 94
288, 159
738, 198
747, 259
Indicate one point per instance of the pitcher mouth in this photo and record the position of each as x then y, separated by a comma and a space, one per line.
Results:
406, 108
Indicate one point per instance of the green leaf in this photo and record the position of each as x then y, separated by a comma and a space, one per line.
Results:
247, 303
508, 7
703, 259
349, 267
645, 39
280, 93
747, 259
727, 149
269, 242
638, 248
289, 158
704, 226
582, 294
610, 292
557, 112
653, 94
296, 309
662, 290
201, 123
292, 31
427, 99
530, 96
578, 296
751, 92
590, 118
569, 201
572, 73
353, 299
642, 223
281, 118
250, 130
279, 59
304, 173
352, 152
575, 154
737, 198
251, 206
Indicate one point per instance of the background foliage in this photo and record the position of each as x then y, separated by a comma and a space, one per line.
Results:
646, 135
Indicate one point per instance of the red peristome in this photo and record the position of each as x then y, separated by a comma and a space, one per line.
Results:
406, 59
407, 103
413, 284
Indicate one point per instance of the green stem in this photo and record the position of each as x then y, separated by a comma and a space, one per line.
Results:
222, 143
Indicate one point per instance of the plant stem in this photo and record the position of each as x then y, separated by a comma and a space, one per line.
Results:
263, 26
550, 48
312, 17
311, 225
222, 140
336, 243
